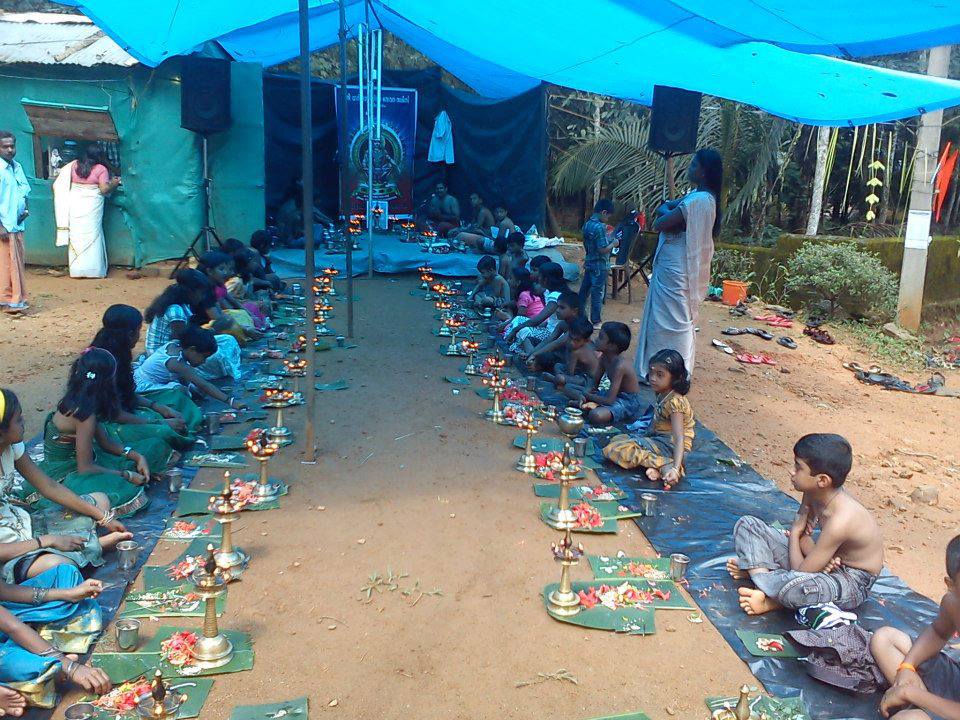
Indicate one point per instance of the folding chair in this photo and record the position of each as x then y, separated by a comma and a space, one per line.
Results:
637, 261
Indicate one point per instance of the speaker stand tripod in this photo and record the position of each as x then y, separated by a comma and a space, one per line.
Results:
206, 232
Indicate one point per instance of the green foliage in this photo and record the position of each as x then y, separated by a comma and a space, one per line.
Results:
772, 285
844, 278
732, 265
892, 351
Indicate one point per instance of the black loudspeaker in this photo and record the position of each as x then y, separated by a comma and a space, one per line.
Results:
204, 94
674, 119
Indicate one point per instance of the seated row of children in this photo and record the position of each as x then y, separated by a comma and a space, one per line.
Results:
831, 556
119, 422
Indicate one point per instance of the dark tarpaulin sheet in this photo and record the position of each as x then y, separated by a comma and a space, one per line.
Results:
500, 145
697, 519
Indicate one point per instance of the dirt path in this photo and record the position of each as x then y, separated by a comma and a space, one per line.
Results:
444, 506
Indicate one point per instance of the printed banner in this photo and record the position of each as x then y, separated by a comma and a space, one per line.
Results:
392, 153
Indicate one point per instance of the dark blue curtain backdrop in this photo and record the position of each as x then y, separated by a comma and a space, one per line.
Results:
500, 145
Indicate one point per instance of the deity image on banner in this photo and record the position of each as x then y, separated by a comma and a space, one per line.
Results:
388, 161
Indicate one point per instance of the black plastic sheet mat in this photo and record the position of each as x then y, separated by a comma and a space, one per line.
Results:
697, 517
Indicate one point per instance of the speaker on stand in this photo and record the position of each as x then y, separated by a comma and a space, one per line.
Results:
204, 109
674, 121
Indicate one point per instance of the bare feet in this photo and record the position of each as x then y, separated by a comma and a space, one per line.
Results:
733, 567
108, 541
11, 702
755, 602
653, 474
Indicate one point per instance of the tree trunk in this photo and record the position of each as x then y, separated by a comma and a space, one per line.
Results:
819, 181
597, 102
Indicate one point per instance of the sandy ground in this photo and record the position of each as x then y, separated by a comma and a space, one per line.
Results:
443, 506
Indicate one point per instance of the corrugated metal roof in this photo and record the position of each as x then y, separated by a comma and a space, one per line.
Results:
54, 39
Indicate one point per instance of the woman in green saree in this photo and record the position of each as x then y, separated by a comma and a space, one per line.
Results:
80, 454
168, 414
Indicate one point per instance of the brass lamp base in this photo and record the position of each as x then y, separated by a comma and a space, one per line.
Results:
213, 652
232, 562
564, 604
561, 519
527, 464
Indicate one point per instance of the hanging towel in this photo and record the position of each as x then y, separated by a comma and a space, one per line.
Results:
441, 142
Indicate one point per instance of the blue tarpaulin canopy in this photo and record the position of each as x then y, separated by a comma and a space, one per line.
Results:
785, 57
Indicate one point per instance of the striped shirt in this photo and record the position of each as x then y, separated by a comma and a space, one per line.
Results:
158, 333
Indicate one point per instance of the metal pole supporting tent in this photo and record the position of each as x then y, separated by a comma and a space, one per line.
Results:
306, 140
343, 157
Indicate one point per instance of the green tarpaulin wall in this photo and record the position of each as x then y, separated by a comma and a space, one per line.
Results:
157, 212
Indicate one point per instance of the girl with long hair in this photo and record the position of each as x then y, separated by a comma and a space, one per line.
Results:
77, 451
191, 301
540, 326
167, 414
681, 266
219, 267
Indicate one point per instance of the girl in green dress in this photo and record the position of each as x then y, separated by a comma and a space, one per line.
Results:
31, 543
79, 453
167, 414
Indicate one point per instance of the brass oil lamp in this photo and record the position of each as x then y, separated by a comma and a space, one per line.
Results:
213, 648
262, 450
561, 517
470, 348
528, 422
563, 601
226, 507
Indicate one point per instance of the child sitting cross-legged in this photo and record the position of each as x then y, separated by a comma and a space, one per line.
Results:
839, 566
550, 350
924, 681
491, 290
622, 403
574, 374
661, 448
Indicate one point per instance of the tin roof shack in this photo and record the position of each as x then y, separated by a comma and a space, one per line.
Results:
63, 84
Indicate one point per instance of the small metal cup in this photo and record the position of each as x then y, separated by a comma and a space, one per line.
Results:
580, 447
213, 422
678, 566
296, 290
532, 384
127, 553
648, 504
128, 634
175, 478
80, 711
341, 341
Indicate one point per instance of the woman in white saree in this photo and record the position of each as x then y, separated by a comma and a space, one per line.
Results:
78, 198
681, 266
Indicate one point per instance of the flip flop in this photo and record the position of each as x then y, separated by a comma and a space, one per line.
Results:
760, 333
739, 309
780, 322
787, 342
721, 345
758, 359
735, 331
932, 385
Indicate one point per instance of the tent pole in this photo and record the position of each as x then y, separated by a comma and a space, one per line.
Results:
371, 52
306, 141
343, 155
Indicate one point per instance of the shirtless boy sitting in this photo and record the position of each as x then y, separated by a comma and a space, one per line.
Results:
623, 402
924, 680
839, 566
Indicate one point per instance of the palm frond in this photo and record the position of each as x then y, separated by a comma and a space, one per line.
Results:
766, 155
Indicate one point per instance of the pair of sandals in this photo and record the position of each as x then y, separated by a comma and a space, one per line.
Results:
818, 334
755, 359
759, 332
787, 342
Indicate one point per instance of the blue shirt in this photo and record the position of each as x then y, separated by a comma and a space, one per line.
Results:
595, 239
14, 189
